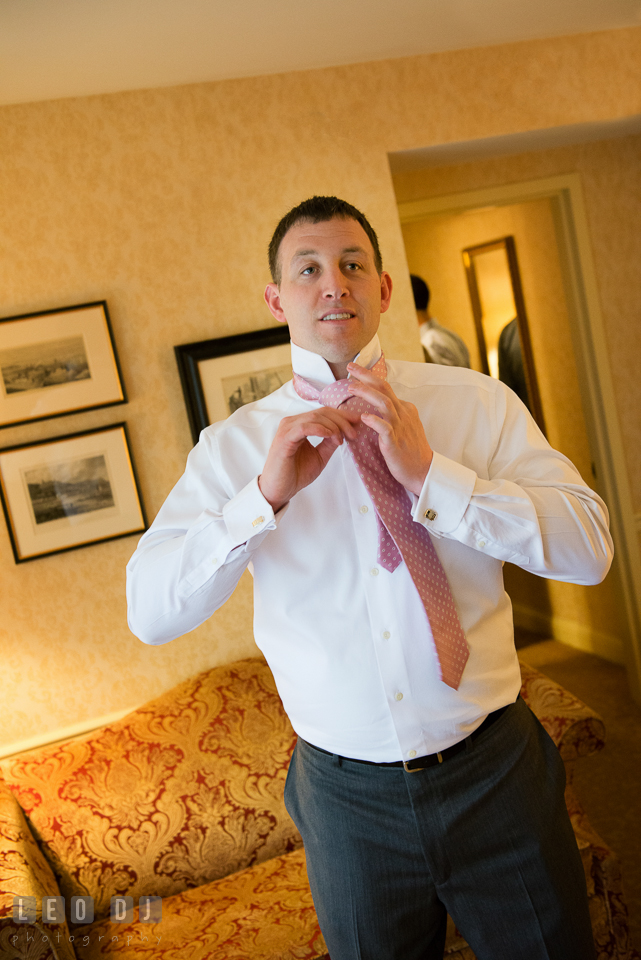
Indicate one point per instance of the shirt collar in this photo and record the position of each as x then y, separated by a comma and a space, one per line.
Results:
316, 369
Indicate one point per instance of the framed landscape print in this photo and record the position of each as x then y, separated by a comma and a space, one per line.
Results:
57, 362
70, 492
218, 376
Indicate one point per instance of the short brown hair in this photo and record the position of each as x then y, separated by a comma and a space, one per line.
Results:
318, 210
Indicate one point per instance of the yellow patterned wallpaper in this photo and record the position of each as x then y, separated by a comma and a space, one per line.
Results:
162, 202
433, 248
609, 171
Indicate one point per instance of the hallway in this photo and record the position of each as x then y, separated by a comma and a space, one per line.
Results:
608, 783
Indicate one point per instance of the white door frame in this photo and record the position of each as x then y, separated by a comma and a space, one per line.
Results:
588, 335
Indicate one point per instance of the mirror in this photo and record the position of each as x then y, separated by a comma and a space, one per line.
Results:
501, 323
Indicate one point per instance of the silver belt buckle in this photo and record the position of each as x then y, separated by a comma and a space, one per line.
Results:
416, 769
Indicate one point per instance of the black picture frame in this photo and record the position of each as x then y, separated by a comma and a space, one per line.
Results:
56, 362
207, 367
72, 491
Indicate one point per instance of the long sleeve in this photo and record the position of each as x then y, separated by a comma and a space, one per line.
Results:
190, 560
531, 509
347, 640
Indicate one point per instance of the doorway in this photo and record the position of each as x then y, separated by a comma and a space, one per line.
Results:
547, 220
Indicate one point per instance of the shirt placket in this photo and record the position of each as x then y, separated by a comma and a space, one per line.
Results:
386, 628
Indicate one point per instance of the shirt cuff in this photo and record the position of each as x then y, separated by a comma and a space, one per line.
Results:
248, 514
445, 496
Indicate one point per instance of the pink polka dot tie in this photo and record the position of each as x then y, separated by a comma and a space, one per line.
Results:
399, 536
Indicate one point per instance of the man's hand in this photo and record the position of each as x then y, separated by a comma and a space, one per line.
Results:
401, 437
293, 462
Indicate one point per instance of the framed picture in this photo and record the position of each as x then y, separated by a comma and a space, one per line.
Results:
218, 376
502, 330
56, 362
70, 492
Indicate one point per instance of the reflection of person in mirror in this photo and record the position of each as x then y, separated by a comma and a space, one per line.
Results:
511, 370
440, 345
376, 501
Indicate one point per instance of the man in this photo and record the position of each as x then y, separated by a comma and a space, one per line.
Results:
420, 784
440, 345
511, 369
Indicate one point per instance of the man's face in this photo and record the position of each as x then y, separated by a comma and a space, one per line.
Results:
330, 293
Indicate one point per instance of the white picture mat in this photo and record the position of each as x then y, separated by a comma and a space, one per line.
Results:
103, 387
213, 371
124, 517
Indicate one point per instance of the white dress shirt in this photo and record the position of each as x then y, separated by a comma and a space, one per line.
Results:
348, 642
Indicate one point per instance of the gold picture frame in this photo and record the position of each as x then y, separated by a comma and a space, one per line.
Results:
502, 330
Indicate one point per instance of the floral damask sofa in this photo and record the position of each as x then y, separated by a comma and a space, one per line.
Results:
183, 799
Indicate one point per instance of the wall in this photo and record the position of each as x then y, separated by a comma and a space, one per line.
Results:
609, 172
162, 202
592, 616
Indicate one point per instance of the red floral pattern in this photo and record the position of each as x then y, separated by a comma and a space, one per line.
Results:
576, 729
183, 799
24, 872
263, 913
185, 790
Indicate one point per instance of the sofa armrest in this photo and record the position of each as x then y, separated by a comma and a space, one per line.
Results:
24, 872
576, 730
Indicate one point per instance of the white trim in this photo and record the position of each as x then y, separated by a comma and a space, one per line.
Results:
588, 334
488, 196
61, 734
570, 632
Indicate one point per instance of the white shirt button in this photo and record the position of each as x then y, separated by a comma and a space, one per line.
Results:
214, 561
386, 634
364, 509
398, 696
411, 754
482, 543
374, 571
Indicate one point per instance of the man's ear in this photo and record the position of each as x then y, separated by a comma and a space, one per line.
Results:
272, 299
386, 291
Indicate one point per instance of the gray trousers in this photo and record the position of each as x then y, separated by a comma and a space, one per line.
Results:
484, 836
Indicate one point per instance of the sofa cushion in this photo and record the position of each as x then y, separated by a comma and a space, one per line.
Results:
576, 729
187, 789
25, 873
263, 913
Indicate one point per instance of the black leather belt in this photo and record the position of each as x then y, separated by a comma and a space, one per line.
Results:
433, 759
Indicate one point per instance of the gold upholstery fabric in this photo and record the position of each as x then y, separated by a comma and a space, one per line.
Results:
264, 913
576, 729
183, 791
25, 873
183, 799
